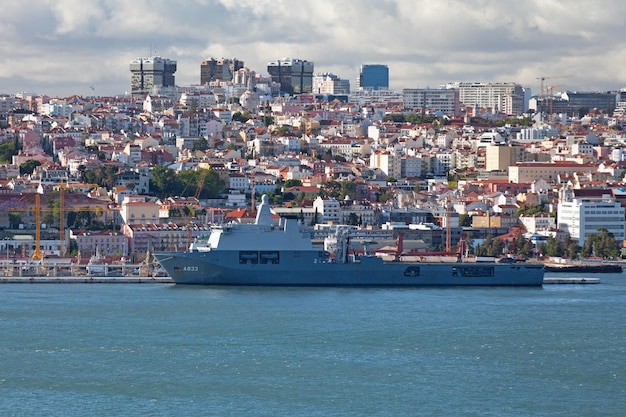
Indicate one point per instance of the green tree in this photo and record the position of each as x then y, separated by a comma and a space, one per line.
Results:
241, 117
348, 188
531, 210
523, 246
386, 196
8, 149
330, 189
284, 129
267, 120
554, 247
201, 144
353, 219
28, 167
413, 118
601, 245
163, 181
14, 220
570, 247
103, 175
465, 220
293, 183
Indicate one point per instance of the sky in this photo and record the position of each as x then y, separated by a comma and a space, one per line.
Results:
65, 47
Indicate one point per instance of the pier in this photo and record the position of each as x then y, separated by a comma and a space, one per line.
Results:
574, 280
67, 273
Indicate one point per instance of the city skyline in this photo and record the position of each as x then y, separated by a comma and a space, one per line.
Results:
72, 47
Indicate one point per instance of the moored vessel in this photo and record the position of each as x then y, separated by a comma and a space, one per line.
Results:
263, 253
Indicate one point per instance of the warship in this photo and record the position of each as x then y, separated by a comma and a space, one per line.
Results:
267, 254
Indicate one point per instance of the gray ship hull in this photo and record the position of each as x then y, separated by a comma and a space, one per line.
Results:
223, 268
264, 254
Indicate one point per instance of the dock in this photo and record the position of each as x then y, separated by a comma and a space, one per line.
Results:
576, 280
86, 280
67, 273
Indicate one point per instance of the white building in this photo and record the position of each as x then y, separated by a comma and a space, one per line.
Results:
328, 210
534, 224
582, 216
388, 162
426, 100
507, 98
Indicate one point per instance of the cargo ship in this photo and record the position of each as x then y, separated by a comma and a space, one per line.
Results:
267, 254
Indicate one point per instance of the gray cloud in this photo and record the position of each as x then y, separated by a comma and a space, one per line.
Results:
62, 47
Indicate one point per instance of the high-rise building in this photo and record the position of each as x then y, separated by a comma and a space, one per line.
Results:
432, 100
507, 98
373, 76
295, 76
327, 83
219, 69
148, 74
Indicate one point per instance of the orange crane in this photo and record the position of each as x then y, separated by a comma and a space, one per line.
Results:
543, 78
550, 95
38, 255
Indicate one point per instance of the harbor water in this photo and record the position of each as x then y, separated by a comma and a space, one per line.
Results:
165, 350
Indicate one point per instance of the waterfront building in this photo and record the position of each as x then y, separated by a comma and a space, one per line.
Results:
150, 74
373, 76
583, 212
295, 76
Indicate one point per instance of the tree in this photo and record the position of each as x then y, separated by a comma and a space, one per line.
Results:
570, 247
240, 117
28, 167
201, 144
531, 210
554, 247
330, 189
8, 149
103, 175
523, 246
348, 188
602, 245
293, 183
386, 196
353, 219
465, 220
14, 220
314, 219
267, 120
284, 129
163, 181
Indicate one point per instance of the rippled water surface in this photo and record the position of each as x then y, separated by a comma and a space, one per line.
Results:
152, 350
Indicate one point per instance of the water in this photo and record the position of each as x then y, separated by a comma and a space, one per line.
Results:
161, 350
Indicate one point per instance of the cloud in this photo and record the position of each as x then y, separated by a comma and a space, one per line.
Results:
62, 47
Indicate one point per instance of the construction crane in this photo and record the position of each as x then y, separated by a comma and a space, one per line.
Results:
550, 95
38, 255
543, 90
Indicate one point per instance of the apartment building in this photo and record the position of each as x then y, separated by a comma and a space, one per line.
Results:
446, 101
150, 74
507, 98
